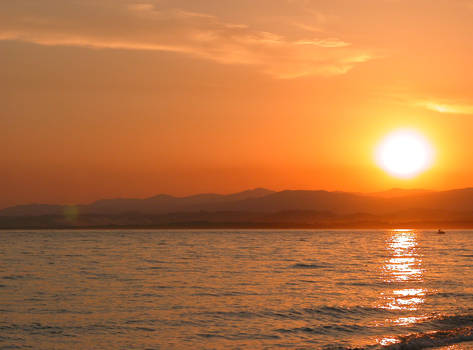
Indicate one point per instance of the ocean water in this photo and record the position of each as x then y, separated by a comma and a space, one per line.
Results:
301, 289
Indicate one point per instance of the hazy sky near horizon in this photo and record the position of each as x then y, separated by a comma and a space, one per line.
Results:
121, 98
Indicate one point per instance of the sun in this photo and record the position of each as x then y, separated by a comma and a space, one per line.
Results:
404, 153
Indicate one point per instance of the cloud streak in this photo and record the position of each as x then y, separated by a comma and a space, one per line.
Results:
103, 24
447, 108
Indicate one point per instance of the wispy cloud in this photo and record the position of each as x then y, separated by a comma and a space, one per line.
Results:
105, 24
446, 107
329, 42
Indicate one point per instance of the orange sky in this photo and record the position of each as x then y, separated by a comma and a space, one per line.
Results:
113, 98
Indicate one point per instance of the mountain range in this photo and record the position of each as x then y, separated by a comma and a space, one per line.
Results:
257, 208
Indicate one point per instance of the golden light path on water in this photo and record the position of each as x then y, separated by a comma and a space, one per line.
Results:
402, 268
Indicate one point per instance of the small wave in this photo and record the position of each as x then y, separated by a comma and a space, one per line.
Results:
354, 313
223, 294
433, 339
162, 287
451, 295
231, 314
145, 329
13, 277
455, 320
307, 266
355, 283
324, 329
153, 261
416, 341
338, 310
239, 336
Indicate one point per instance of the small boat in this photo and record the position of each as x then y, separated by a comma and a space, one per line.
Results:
440, 232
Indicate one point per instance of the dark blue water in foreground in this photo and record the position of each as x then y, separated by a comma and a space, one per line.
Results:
235, 289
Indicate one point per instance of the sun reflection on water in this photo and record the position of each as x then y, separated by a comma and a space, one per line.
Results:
403, 269
405, 262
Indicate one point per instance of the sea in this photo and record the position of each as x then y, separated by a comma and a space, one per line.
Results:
236, 289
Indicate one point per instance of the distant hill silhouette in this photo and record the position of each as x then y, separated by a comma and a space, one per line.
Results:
257, 208
399, 192
154, 205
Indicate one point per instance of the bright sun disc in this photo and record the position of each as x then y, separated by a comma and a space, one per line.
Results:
404, 153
